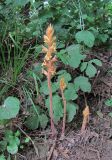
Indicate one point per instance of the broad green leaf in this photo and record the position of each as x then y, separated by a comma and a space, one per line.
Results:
12, 148
96, 61
71, 111
10, 108
83, 66
82, 83
70, 93
108, 102
44, 87
2, 157
90, 70
43, 119
85, 36
57, 108
75, 56
32, 122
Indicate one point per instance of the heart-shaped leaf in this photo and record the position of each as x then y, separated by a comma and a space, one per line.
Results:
10, 108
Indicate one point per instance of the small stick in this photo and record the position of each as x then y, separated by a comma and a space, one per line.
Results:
36, 150
51, 150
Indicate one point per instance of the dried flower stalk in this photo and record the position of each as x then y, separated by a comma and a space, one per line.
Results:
49, 65
86, 114
62, 88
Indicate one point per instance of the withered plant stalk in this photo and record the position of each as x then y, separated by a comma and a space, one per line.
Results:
49, 66
62, 87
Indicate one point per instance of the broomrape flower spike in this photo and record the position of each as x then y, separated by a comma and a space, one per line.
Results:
86, 114
49, 68
62, 88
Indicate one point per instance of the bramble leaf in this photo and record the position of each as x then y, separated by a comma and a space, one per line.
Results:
71, 111
82, 83
85, 36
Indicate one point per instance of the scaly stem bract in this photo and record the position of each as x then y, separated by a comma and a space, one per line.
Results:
64, 117
51, 105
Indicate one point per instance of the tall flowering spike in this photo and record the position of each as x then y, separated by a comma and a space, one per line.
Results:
50, 41
62, 84
49, 66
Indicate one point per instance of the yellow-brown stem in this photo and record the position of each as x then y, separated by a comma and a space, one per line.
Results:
64, 116
51, 105
84, 124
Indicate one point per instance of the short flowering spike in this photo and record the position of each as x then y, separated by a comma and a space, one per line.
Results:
86, 114
62, 83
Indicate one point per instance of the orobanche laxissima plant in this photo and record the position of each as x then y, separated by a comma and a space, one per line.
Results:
49, 65
62, 105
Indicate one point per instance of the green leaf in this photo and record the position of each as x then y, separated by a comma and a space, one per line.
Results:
70, 93
12, 148
75, 56
43, 120
83, 66
3, 145
110, 114
103, 37
82, 83
44, 88
90, 70
10, 108
32, 122
85, 36
2, 157
57, 108
71, 111
27, 139
109, 102
96, 61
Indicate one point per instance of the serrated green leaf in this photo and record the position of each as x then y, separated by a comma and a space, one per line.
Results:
71, 111
44, 88
83, 66
70, 93
32, 122
85, 36
96, 61
82, 83
10, 108
43, 119
57, 108
90, 70
75, 56
108, 102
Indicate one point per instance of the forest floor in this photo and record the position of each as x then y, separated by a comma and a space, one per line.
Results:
96, 142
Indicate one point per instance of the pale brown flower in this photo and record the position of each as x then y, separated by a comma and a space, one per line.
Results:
62, 83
